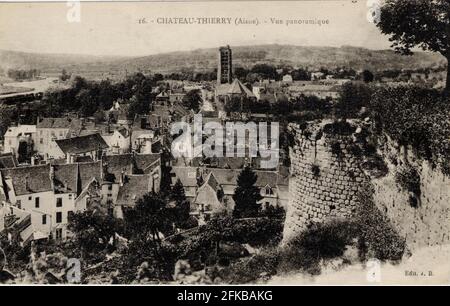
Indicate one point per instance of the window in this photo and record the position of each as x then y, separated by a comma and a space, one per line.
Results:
37, 202
109, 187
58, 217
44, 219
109, 195
41, 140
269, 190
58, 202
30, 198
19, 204
58, 233
70, 196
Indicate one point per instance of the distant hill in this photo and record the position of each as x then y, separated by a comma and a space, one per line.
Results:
51, 63
206, 59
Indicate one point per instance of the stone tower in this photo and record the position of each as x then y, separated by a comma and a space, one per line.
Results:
325, 180
225, 66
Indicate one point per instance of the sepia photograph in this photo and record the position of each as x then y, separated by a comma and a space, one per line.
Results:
211, 144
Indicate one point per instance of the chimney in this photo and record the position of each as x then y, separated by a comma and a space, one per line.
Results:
122, 177
104, 168
52, 172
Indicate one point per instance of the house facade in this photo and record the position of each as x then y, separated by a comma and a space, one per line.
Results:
211, 190
92, 145
15, 135
48, 130
49, 193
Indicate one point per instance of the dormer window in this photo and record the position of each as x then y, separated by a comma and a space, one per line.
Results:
269, 190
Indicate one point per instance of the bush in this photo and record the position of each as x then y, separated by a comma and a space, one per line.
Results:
322, 241
336, 148
369, 232
352, 97
377, 238
258, 267
408, 178
339, 128
415, 117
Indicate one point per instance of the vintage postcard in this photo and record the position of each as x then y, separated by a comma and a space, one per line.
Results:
225, 143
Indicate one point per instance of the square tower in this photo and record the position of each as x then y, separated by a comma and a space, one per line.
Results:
225, 67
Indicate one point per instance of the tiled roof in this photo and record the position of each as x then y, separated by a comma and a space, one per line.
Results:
227, 177
82, 144
235, 88
123, 131
66, 177
129, 164
8, 160
20, 215
2, 192
211, 181
187, 176
134, 187
144, 161
180, 110
115, 164
163, 94
222, 162
88, 171
31, 179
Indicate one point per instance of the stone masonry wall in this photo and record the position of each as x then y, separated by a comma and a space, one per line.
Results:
325, 180
422, 226
325, 185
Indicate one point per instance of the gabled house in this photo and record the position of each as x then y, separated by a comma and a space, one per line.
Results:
212, 189
17, 135
118, 141
208, 198
48, 130
92, 145
126, 177
18, 225
49, 193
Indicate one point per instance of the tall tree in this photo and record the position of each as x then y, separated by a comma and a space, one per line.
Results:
178, 194
418, 23
367, 76
246, 195
149, 217
182, 208
93, 231
192, 100
352, 97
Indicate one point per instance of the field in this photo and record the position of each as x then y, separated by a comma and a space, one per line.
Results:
8, 90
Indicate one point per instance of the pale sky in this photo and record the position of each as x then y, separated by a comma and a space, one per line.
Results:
113, 28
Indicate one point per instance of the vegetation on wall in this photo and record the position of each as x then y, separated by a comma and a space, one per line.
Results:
408, 178
415, 117
369, 233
